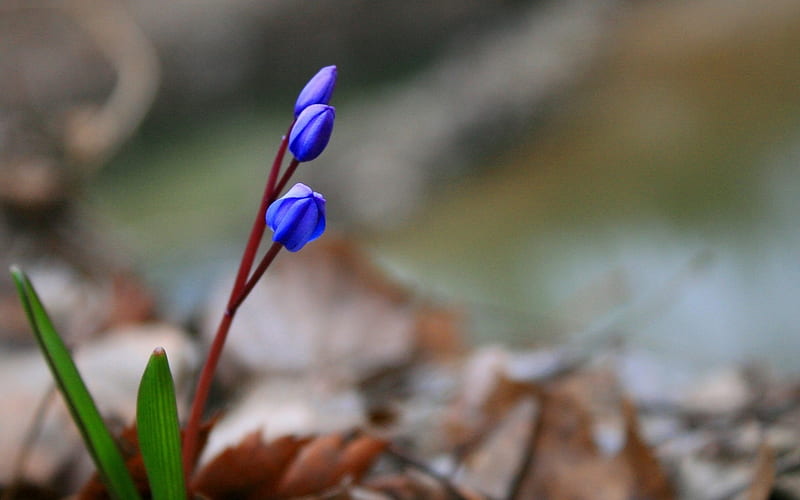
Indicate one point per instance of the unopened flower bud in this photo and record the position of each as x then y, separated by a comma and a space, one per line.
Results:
297, 217
312, 131
318, 90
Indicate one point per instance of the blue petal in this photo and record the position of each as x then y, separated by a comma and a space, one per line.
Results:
320, 228
297, 218
296, 228
318, 90
277, 210
311, 133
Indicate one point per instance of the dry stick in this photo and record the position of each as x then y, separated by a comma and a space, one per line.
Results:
259, 225
528, 459
262, 267
27, 443
448, 486
786, 464
215, 351
190, 451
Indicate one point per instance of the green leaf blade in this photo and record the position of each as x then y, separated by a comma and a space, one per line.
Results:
96, 436
159, 431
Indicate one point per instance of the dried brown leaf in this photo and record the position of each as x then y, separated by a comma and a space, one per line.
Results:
469, 423
287, 467
505, 395
313, 468
562, 456
251, 468
649, 479
566, 426
491, 466
357, 457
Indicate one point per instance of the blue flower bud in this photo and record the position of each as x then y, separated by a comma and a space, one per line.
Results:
318, 90
312, 131
297, 217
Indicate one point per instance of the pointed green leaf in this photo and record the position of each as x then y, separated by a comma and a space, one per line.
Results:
98, 439
159, 431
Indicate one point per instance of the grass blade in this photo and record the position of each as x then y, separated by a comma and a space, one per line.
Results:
98, 439
159, 431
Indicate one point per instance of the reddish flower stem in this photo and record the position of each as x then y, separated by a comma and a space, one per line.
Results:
237, 296
257, 274
190, 450
257, 232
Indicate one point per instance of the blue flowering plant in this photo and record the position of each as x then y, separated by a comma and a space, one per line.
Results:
296, 218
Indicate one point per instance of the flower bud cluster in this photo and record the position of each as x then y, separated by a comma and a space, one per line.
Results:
314, 117
299, 216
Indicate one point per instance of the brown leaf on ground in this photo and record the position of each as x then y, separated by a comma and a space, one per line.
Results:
252, 466
649, 479
505, 395
563, 461
562, 456
491, 465
490, 396
286, 467
522, 439
764, 476
358, 456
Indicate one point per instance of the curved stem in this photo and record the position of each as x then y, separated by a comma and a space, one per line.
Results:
257, 232
190, 440
257, 274
190, 450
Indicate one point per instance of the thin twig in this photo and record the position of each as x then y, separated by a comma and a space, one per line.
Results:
785, 465
259, 224
448, 485
27, 443
528, 458
260, 270
241, 288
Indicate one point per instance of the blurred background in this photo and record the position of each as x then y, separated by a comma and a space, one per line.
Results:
564, 171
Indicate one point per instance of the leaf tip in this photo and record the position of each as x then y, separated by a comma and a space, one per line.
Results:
159, 351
